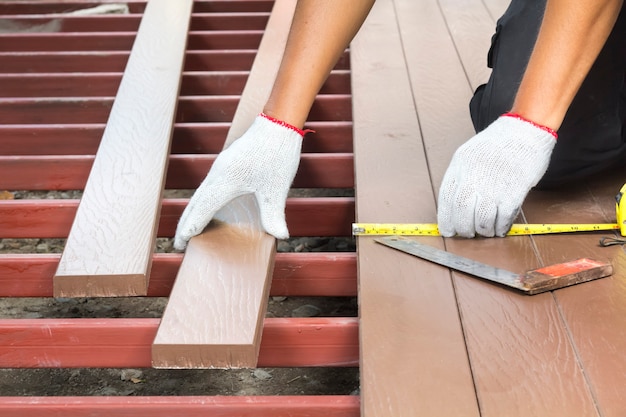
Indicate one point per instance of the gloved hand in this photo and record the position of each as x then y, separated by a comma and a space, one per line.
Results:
263, 161
490, 175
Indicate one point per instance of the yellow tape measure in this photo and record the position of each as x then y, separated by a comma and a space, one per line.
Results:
431, 229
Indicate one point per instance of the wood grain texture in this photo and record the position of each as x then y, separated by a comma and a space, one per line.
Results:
413, 358
109, 248
522, 359
594, 311
241, 267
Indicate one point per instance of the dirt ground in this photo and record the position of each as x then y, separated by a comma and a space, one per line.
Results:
120, 382
266, 381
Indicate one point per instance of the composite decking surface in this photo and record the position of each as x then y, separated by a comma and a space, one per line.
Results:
462, 346
432, 342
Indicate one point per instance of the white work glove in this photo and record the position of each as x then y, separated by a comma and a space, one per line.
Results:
490, 175
263, 161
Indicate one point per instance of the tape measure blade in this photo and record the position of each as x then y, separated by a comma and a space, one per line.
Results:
456, 262
541, 229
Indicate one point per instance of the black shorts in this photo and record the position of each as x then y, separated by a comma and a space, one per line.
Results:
592, 137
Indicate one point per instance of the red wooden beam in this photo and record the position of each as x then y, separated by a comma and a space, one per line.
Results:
321, 216
184, 171
327, 274
189, 138
135, 6
122, 41
68, 110
115, 61
120, 343
130, 22
195, 406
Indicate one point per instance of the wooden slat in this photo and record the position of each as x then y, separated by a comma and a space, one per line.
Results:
110, 61
121, 41
189, 138
413, 358
108, 251
522, 359
185, 171
312, 274
320, 216
115, 61
135, 6
104, 84
593, 312
196, 406
123, 343
130, 22
203, 327
190, 109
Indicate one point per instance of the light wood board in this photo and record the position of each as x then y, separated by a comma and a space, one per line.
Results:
109, 248
214, 317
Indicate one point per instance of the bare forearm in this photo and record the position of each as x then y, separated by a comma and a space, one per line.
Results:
571, 36
320, 32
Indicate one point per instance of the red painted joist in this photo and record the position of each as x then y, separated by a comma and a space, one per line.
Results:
120, 343
322, 216
122, 41
67, 110
105, 84
189, 138
196, 406
20, 7
115, 61
135, 6
70, 172
312, 274
130, 22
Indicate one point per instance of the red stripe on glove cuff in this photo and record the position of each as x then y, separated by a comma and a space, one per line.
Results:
522, 118
301, 132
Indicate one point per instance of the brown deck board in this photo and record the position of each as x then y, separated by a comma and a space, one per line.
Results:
594, 311
413, 358
109, 248
202, 327
522, 360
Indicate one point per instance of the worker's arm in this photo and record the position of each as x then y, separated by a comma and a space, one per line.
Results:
491, 174
265, 159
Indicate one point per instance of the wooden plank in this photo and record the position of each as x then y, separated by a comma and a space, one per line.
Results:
121, 41
413, 358
319, 216
102, 84
196, 406
130, 22
71, 172
112, 61
189, 138
126, 343
305, 274
207, 328
593, 312
108, 251
522, 360
190, 109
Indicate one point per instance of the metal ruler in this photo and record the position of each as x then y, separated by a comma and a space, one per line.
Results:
531, 282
